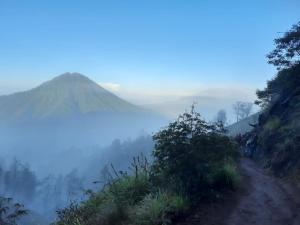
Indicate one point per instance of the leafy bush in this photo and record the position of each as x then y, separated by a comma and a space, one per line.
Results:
188, 153
70, 215
158, 209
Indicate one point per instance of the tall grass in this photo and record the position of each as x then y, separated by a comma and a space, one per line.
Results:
158, 209
227, 177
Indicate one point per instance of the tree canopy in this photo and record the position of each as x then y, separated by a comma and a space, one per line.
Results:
286, 57
190, 152
287, 51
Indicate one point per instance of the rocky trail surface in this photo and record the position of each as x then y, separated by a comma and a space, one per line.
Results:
262, 199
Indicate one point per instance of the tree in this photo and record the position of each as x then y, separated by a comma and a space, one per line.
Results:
28, 182
10, 212
20, 181
221, 116
286, 57
74, 184
287, 51
242, 109
189, 152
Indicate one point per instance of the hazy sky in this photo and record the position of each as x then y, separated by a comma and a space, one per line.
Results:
152, 47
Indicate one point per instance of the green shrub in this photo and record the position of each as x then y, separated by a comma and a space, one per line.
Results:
129, 190
226, 177
71, 215
188, 153
110, 206
158, 209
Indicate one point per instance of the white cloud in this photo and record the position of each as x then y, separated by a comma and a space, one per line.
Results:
110, 86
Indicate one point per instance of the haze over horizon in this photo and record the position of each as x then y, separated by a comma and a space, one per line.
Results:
167, 103
146, 53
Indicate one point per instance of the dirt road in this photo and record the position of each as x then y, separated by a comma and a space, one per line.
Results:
262, 200
265, 200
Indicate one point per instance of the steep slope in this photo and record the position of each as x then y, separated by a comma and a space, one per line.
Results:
66, 95
277, 135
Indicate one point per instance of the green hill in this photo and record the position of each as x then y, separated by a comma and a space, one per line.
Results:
65, 95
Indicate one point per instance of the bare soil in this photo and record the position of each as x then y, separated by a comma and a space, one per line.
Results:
262, 199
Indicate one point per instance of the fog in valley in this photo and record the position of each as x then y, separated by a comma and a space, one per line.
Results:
55, 145
69, 135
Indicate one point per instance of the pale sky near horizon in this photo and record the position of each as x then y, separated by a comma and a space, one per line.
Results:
143, 48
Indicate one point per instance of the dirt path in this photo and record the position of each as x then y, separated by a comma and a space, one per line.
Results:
262, 200
266, 200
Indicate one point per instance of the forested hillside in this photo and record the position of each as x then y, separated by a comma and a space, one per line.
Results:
276, 137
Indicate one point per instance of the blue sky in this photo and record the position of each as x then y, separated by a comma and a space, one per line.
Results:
144, 47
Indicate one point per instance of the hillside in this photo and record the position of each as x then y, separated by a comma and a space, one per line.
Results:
243, 126
276, 138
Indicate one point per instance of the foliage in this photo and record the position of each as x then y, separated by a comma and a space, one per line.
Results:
286, 57
192, 159
158, 209
285, 83
10, 212
226, 177
287, 51
70, 215
187, 154
112, 205
277, 133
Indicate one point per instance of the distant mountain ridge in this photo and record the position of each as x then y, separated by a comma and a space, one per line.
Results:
65, 95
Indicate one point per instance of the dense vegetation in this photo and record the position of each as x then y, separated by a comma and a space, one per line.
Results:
193, 160
277, 134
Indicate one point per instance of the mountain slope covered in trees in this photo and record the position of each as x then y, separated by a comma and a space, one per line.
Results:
276, 137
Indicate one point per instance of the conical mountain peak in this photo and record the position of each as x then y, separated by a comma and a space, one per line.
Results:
71, 79
71, 76
67, 94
